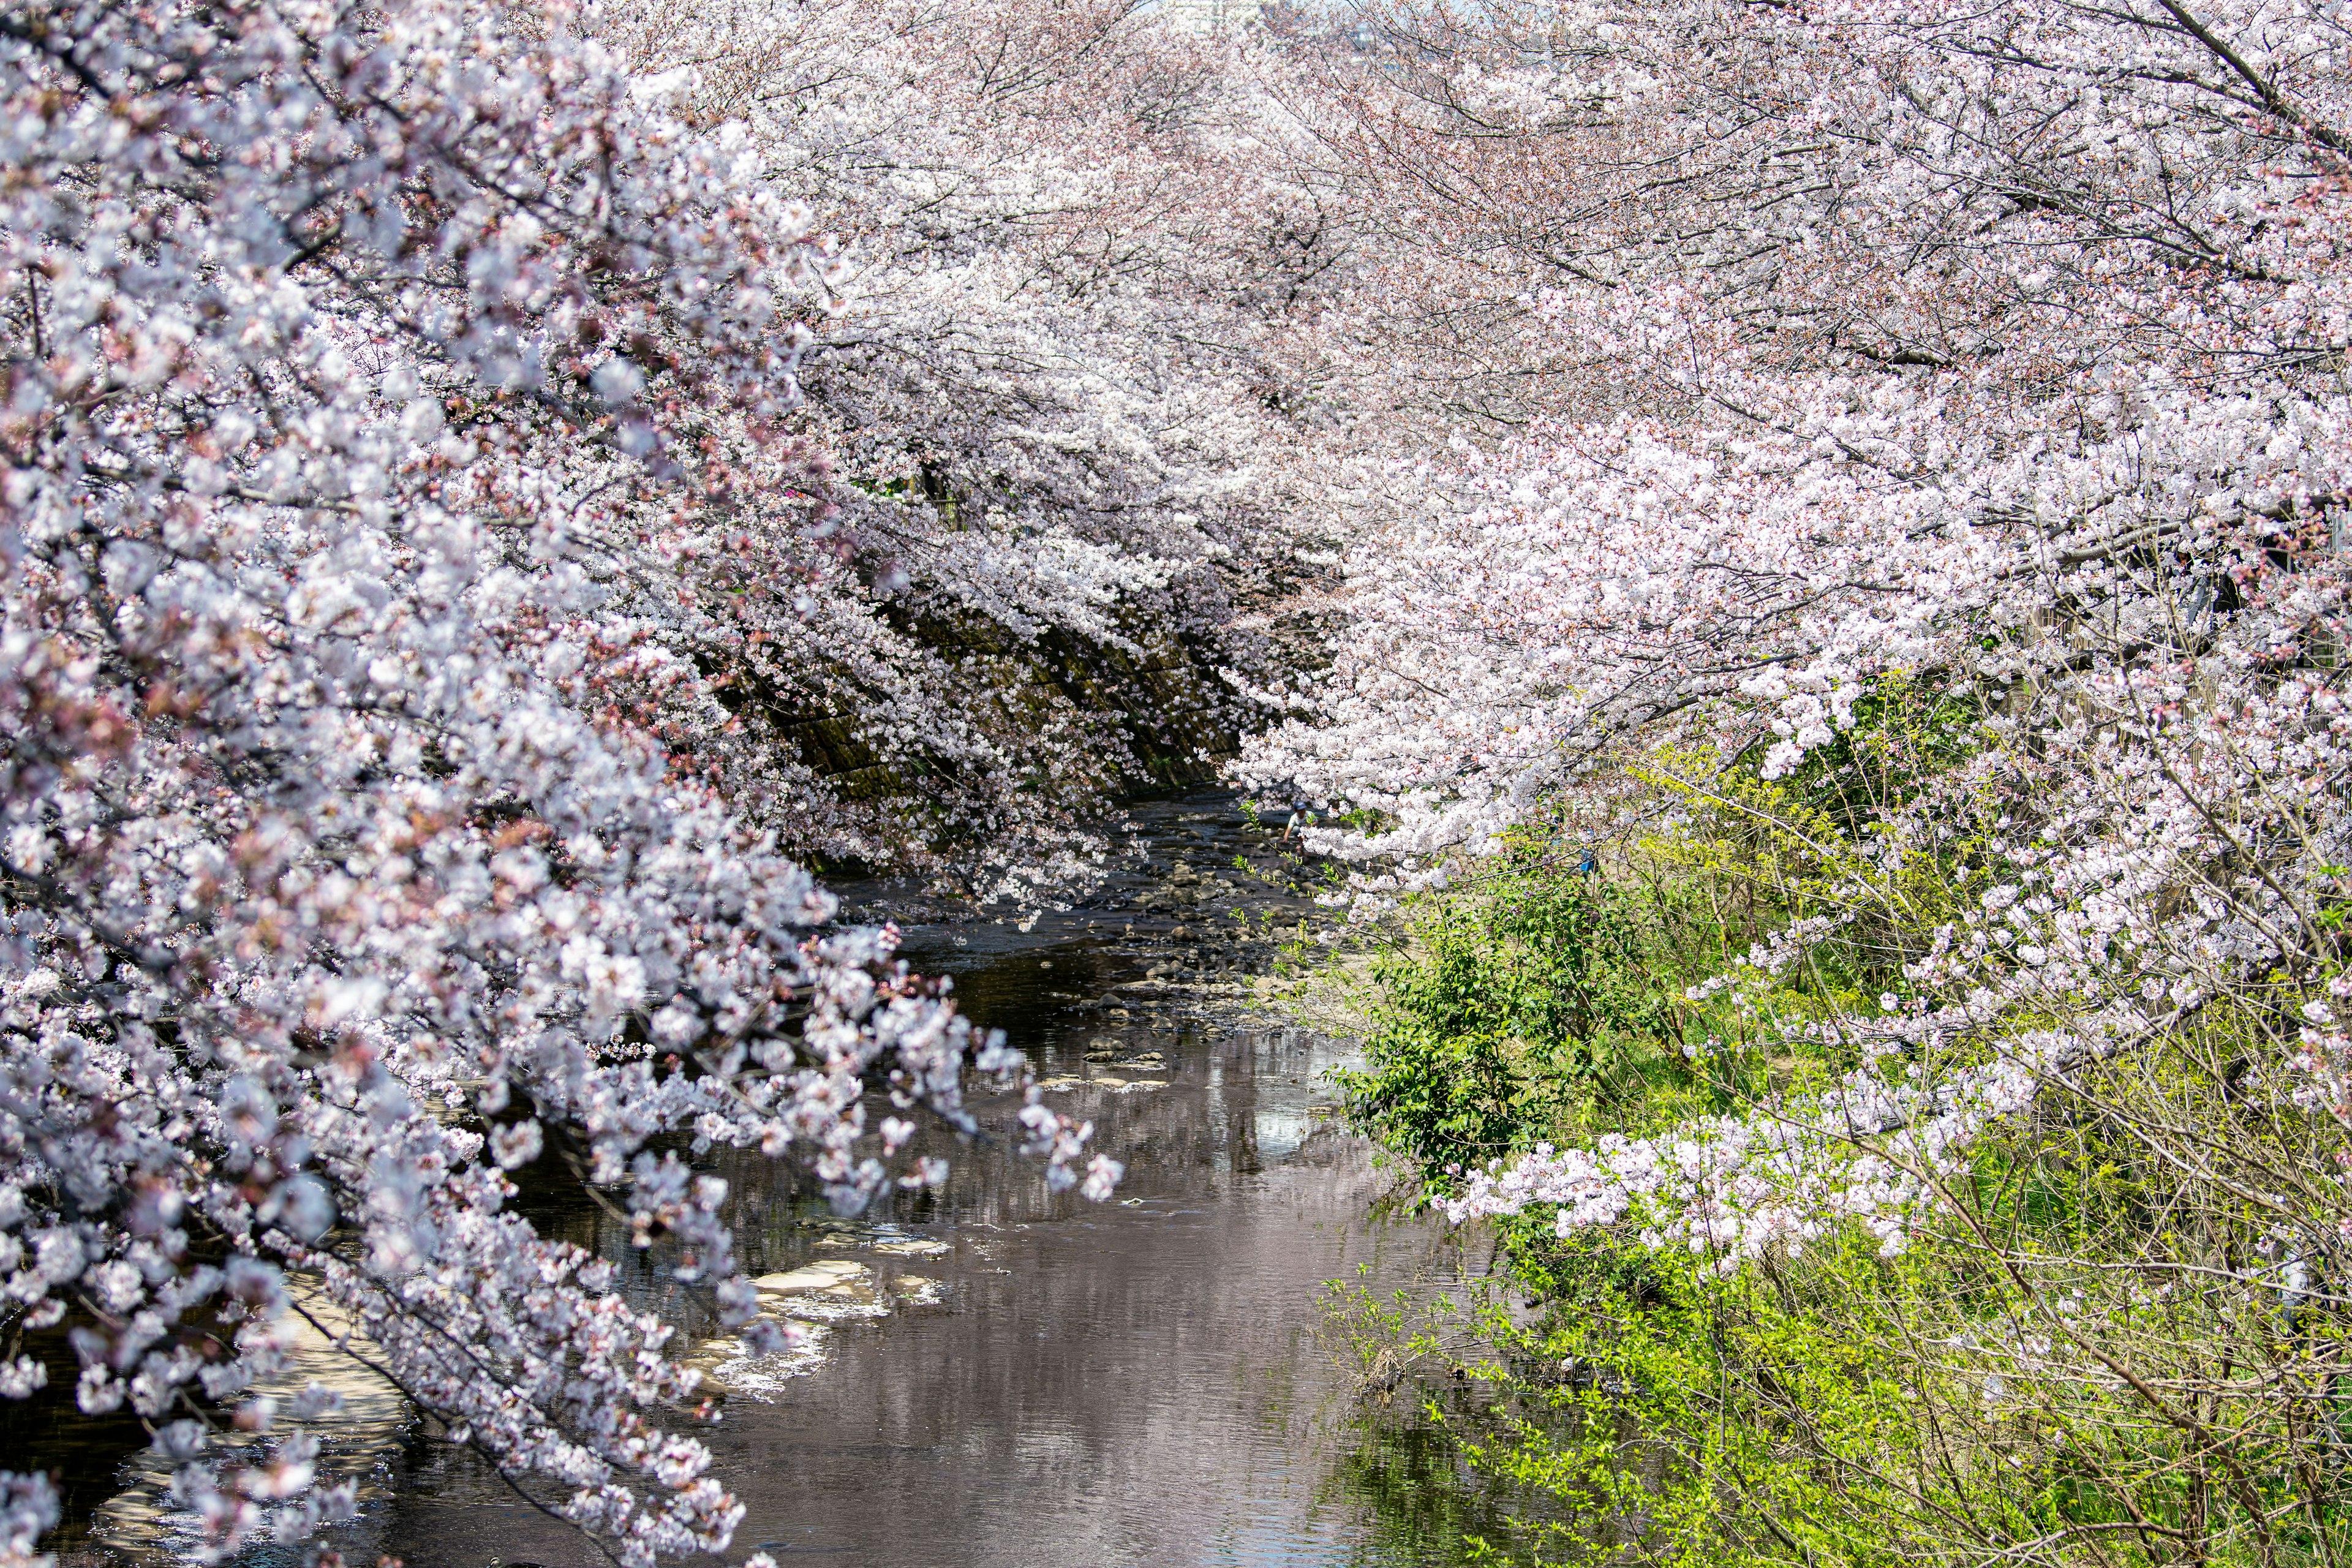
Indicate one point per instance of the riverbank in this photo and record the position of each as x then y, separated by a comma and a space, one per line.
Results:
1828, 1256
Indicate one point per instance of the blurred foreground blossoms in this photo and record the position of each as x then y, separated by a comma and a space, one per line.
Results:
369, 372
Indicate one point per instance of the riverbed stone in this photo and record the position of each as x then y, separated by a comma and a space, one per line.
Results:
825, 1274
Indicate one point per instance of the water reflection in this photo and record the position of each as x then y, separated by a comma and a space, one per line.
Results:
1138, 1382
995, 1376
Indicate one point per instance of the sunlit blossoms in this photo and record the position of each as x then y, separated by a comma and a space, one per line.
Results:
488, 485
1993, 354
346, 868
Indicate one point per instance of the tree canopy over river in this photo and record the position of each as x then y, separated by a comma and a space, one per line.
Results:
1774, 571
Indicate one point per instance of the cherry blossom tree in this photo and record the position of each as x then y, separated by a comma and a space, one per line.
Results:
348, 864
1807, 362
2001, 353
458, 453
1046, 394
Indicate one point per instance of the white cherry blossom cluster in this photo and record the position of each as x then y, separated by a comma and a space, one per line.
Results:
1997, 354
1047, 391
349, 860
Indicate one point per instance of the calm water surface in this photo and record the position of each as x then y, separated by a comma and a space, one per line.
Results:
1014, 1381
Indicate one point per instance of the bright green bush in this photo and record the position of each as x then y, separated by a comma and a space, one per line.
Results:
2116, 1337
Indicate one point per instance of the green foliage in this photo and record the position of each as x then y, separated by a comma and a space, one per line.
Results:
1907, 738
1523, 1002
1548, 992
2082, 1359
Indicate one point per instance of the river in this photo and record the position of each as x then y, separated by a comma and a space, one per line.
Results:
999, 1378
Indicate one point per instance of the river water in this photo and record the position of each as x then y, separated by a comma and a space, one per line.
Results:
999, 1378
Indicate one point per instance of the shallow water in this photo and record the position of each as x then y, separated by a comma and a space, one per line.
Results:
999, 1378
1135, 1382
